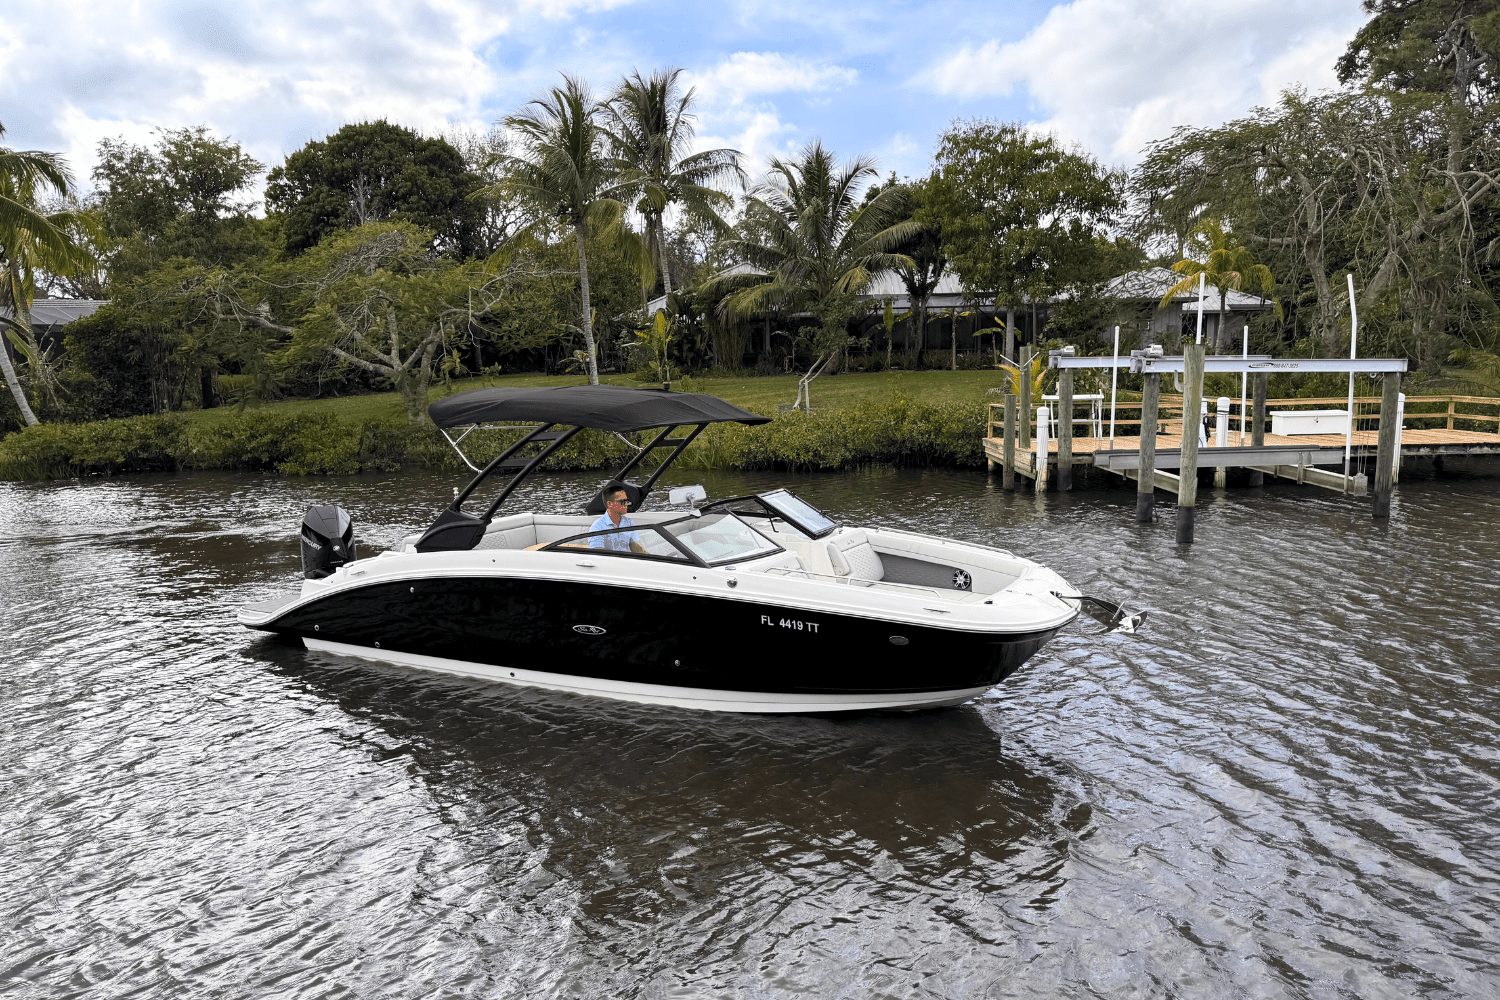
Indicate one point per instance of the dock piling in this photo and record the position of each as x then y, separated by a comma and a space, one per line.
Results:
1221, 439
1192, 401
1043, 436
1258, 424
1008, 453
1385, 449
1145, 487
1065, 429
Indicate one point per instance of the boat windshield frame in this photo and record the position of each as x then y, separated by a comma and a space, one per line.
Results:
770, 510
658, 527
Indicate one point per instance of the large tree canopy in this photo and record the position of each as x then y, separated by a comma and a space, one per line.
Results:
1437, 46
1018, 212
186, 196
372, 172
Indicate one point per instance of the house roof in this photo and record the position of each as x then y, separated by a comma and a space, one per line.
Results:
1152, 284
59, 312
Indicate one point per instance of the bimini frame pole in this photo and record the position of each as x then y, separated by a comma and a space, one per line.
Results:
485, 472
519, 477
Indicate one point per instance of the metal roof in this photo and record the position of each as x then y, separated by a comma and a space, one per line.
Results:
59, 312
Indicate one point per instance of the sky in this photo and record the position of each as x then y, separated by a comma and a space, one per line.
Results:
867, 78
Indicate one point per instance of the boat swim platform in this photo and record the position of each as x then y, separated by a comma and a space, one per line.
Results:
1269, 458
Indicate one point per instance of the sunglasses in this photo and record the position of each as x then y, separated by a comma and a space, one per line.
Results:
622, 503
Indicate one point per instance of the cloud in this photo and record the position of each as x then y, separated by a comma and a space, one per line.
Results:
746, 73
270, 73
733, 101
1113, 75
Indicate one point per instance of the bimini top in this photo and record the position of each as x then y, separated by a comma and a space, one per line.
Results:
606, 407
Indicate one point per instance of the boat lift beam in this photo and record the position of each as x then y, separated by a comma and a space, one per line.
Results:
1216, 458
1146, 364
1059, 359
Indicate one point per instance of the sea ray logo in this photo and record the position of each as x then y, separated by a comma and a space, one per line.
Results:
588, 629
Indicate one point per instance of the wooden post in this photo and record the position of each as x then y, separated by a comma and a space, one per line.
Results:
1451, 404
1008, 453
1145, 487
1385, 449
1026, 397
1258, 424
1065, 429
1192, 402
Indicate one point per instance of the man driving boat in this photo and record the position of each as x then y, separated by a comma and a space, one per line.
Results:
616, 502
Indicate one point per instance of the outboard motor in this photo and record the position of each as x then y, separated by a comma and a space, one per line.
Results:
327, 541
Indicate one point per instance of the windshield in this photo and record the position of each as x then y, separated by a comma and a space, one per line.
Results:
803, 515
720, 538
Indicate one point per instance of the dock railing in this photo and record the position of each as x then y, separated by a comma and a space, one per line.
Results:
1420, 412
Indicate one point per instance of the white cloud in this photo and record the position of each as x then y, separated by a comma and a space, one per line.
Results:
733, 101
1115, 74
747, 73
273, 73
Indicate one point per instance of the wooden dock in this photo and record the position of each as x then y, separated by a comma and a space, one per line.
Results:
1444, 439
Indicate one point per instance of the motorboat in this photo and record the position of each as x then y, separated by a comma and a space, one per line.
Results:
756, 603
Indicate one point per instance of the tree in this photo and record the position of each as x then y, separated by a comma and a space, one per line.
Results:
1018, 213
372, 172
1227, 265
561, 168
184, 197
1350, 181
30, 240
817, 247
1449, 47
379, 299
924, 248
650, 135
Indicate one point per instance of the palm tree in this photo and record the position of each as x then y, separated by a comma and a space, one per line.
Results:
650, 133
816, 246
30, 241
562, 169
1228, 265
925, 249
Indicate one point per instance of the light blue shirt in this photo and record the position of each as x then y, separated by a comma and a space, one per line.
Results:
614, 543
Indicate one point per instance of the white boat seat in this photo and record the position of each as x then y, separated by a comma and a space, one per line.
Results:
852, 556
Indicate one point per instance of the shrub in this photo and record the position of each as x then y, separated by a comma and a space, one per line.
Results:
900, 431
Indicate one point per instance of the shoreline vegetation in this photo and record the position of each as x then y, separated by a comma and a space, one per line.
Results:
931, 418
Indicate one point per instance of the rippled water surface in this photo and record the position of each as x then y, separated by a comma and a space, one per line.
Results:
1288, 786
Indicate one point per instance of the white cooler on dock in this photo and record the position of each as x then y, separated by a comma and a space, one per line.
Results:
1291, 422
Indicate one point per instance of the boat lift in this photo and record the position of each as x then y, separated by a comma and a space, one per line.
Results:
1190, 367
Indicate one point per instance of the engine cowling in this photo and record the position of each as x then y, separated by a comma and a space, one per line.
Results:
327, 541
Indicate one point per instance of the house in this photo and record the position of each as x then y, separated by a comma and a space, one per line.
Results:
1141, 292
49, 316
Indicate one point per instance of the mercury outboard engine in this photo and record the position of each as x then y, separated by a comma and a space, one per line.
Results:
327, 541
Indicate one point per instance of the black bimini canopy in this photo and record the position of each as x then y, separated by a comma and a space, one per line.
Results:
605, 407
609, 408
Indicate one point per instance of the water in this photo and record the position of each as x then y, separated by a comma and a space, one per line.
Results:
1286, 787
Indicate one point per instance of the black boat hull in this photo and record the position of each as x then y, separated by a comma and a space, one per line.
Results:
618, 641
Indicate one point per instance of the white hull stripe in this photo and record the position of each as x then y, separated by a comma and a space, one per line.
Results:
703, 699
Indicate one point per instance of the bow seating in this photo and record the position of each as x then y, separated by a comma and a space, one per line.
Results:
854, 558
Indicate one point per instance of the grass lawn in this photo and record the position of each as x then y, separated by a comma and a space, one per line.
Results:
762, 395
